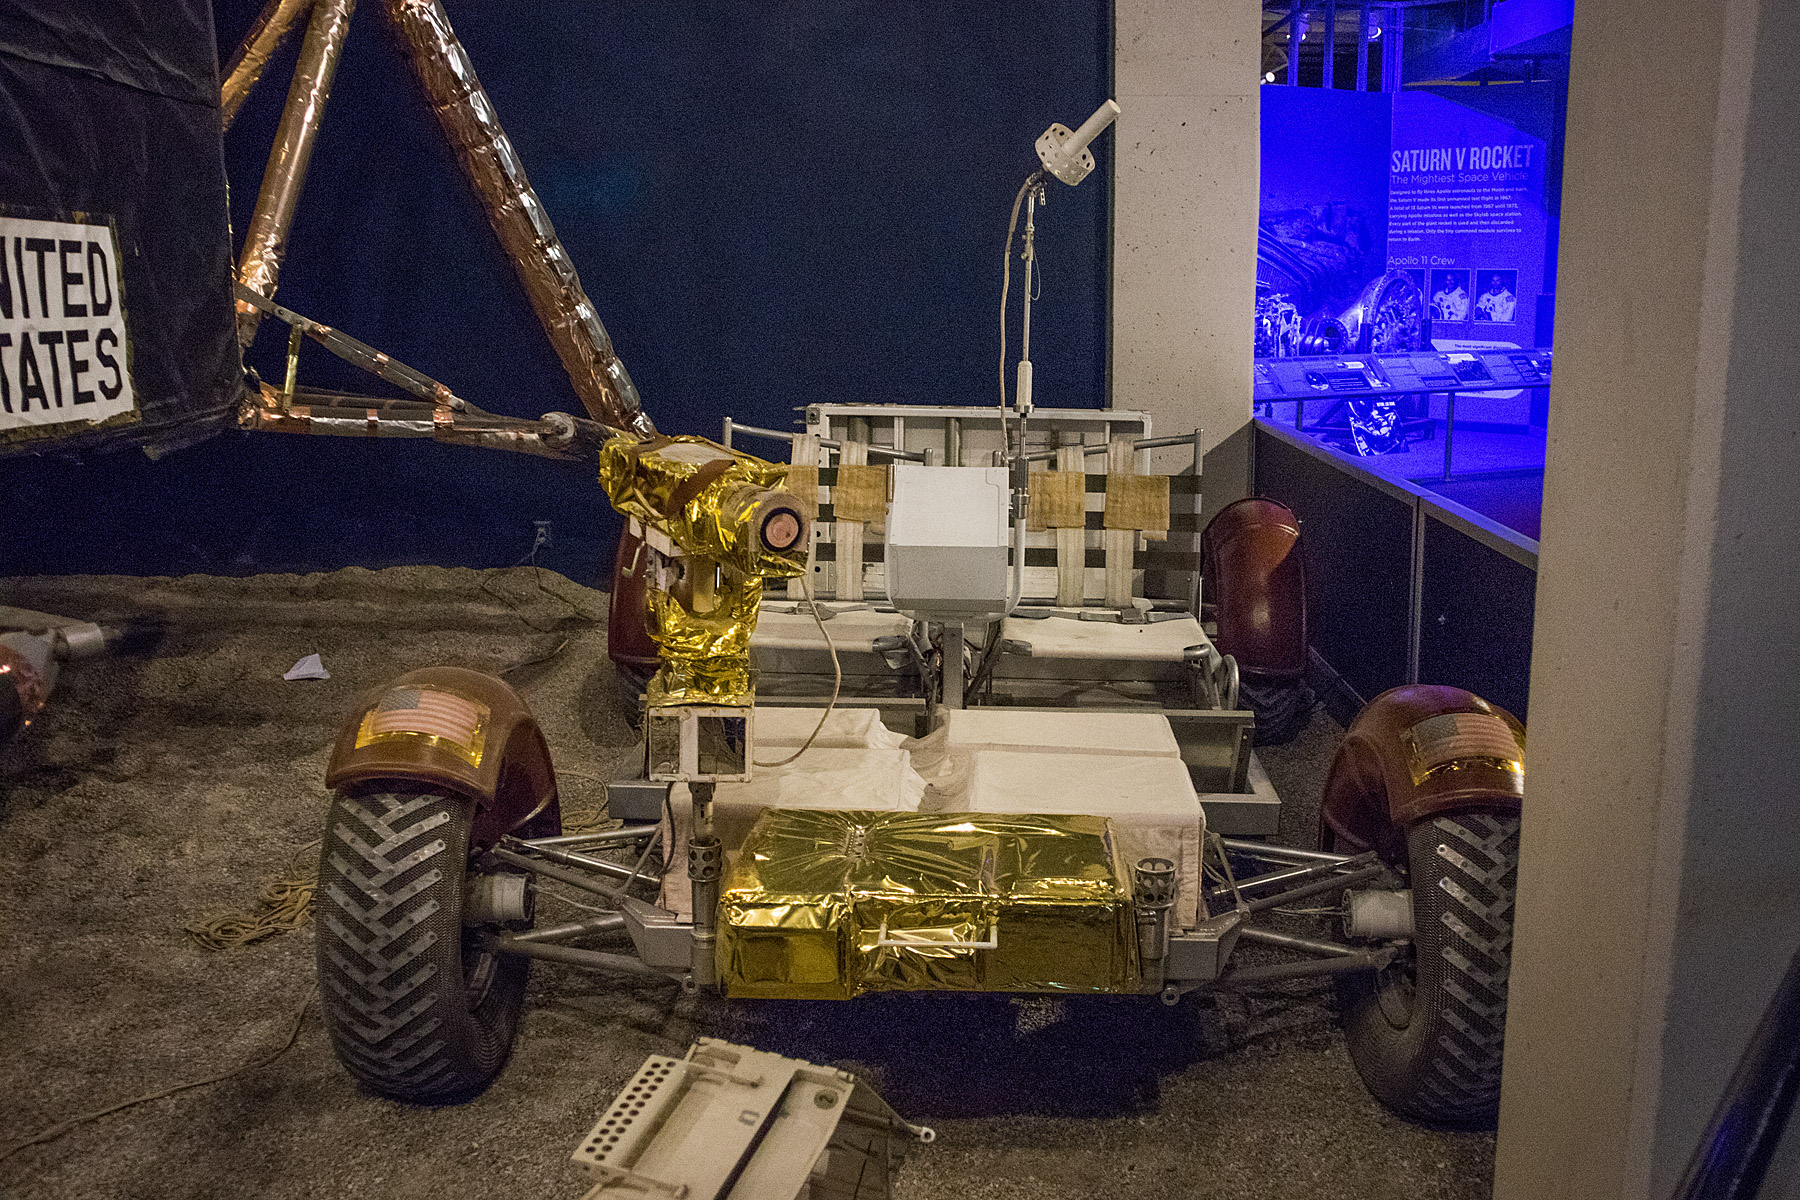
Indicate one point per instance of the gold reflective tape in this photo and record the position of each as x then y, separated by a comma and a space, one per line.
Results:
861, 494
1138, 502
708, 472
428, 714
803, 482
1451, 741
831, 904
1057, 500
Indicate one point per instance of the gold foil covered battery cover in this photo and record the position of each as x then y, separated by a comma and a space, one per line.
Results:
824, 904
784, 910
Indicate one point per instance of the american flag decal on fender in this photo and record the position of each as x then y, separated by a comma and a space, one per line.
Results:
1452, 740
437, 716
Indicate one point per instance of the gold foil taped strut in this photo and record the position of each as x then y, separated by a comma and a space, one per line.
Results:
1451, 741
1138, 502
433, 715
518, 217
264, 37
1056, 500
265, 241
828, 905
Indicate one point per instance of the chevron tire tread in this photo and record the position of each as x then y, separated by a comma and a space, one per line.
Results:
1437, 1058
391, 951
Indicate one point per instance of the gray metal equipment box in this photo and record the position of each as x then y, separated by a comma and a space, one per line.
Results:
947, 540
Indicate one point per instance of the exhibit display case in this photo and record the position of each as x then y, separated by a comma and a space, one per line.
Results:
1406, 256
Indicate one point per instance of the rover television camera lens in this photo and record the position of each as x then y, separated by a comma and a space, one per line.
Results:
781, 529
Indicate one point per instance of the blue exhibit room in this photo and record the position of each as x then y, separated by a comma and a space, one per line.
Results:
851, 601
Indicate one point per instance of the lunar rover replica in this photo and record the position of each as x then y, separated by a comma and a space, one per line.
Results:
993, 746
956, 783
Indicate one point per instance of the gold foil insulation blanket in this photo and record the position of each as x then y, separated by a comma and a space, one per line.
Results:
702, 497
265, 242
518, 219
710, 503
266, 33
702, 628
829, 905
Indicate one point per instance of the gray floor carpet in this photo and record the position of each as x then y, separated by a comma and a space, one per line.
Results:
157, 791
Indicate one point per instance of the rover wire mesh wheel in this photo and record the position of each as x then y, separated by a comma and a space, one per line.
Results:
416, 1010
1426, 1034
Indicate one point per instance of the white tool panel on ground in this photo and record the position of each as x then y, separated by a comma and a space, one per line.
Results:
727, 1122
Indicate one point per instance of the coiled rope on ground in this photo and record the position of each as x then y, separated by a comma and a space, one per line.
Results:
283, 905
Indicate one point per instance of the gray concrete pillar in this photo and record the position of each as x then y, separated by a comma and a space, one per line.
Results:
1659, 888
1184, 224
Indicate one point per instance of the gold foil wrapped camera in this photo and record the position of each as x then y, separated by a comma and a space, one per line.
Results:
724, 525
828, 905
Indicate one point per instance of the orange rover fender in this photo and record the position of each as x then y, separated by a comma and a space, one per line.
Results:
628, 641
460, 730
1255, 575
1417, 752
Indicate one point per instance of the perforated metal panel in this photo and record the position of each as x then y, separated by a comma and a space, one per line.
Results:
625, 1126
731, 1123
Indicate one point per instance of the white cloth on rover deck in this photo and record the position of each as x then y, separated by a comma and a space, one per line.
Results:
1144, 734
873, 778
1111, 641
851, 629
1124, 766
787, 729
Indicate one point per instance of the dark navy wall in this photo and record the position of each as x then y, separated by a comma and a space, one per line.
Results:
770, 205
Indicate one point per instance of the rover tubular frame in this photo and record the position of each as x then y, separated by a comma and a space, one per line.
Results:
636, 937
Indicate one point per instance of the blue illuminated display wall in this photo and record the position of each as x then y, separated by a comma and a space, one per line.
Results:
1466, 221
1444, 186
1323, 227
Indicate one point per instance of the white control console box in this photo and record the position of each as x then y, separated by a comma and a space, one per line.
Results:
947, 541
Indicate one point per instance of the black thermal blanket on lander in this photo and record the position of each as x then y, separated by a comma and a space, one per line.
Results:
116, 327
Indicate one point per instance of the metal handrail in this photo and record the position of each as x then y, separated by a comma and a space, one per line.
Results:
1734, 1155
1150, 443
1089, 451
733, 427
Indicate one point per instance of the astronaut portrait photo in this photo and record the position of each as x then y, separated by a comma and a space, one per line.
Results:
1450, 295
1499, 296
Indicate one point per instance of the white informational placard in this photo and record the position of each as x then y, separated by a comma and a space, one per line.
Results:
1502, 406
65, 359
